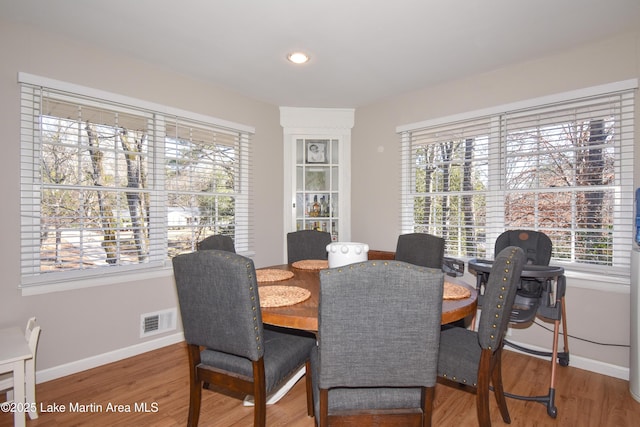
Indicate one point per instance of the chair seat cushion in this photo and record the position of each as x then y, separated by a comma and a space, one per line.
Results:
459, 355
283, 354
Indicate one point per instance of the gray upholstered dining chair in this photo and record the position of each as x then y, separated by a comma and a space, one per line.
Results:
474, 358
227, 344
376, 360
307, 244
217, 241
422, 249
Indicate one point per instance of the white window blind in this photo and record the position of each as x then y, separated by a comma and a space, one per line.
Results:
564, 168
112, 185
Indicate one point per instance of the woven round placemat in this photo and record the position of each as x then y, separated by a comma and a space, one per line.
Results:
272, 275
280, 296
452, 291
311, 264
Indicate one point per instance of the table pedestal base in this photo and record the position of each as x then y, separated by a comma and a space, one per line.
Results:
279, 393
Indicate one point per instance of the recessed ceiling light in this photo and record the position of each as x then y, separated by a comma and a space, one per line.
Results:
298, 57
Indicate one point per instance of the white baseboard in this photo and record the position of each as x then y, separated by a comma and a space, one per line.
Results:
102, 359
581, 363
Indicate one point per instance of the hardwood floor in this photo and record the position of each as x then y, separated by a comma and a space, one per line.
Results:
159, 380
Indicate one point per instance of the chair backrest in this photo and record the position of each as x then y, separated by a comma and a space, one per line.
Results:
499, 295
32, 334
379, 325
217, 241
537, 246
307, 244
421, 249
219, 302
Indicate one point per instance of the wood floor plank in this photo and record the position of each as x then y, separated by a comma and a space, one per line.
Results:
154, 388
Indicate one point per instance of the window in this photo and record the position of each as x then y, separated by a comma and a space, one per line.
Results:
561, 165
112, 185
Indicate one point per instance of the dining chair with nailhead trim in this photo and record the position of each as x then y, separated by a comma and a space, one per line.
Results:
226, 341
377, 353
473, 358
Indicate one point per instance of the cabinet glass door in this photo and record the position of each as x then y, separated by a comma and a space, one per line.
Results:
317, 167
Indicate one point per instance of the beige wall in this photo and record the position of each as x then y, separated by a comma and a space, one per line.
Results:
601, 316
84, 323
89, 322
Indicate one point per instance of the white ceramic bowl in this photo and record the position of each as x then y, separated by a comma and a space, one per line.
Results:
343, 253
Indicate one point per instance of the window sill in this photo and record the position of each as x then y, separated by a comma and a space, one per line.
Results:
104, 280
597, 282
110, 279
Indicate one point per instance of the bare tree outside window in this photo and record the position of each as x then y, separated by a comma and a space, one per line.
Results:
113, 187
83, 171
556, 170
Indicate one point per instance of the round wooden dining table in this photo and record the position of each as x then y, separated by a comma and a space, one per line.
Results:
304, 315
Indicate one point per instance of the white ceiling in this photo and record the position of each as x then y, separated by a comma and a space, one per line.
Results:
361, 50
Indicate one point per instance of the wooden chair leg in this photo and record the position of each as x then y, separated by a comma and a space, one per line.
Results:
427, 405
195, 396
309, 384
498, 390
482, 389
323, 421
195, 386
259, 395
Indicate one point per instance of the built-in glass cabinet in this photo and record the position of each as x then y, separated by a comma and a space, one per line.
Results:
317, 156
317, 203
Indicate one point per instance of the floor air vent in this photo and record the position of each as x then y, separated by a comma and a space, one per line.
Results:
157, 322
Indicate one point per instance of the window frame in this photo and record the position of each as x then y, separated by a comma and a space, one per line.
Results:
495, 193
32, 280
